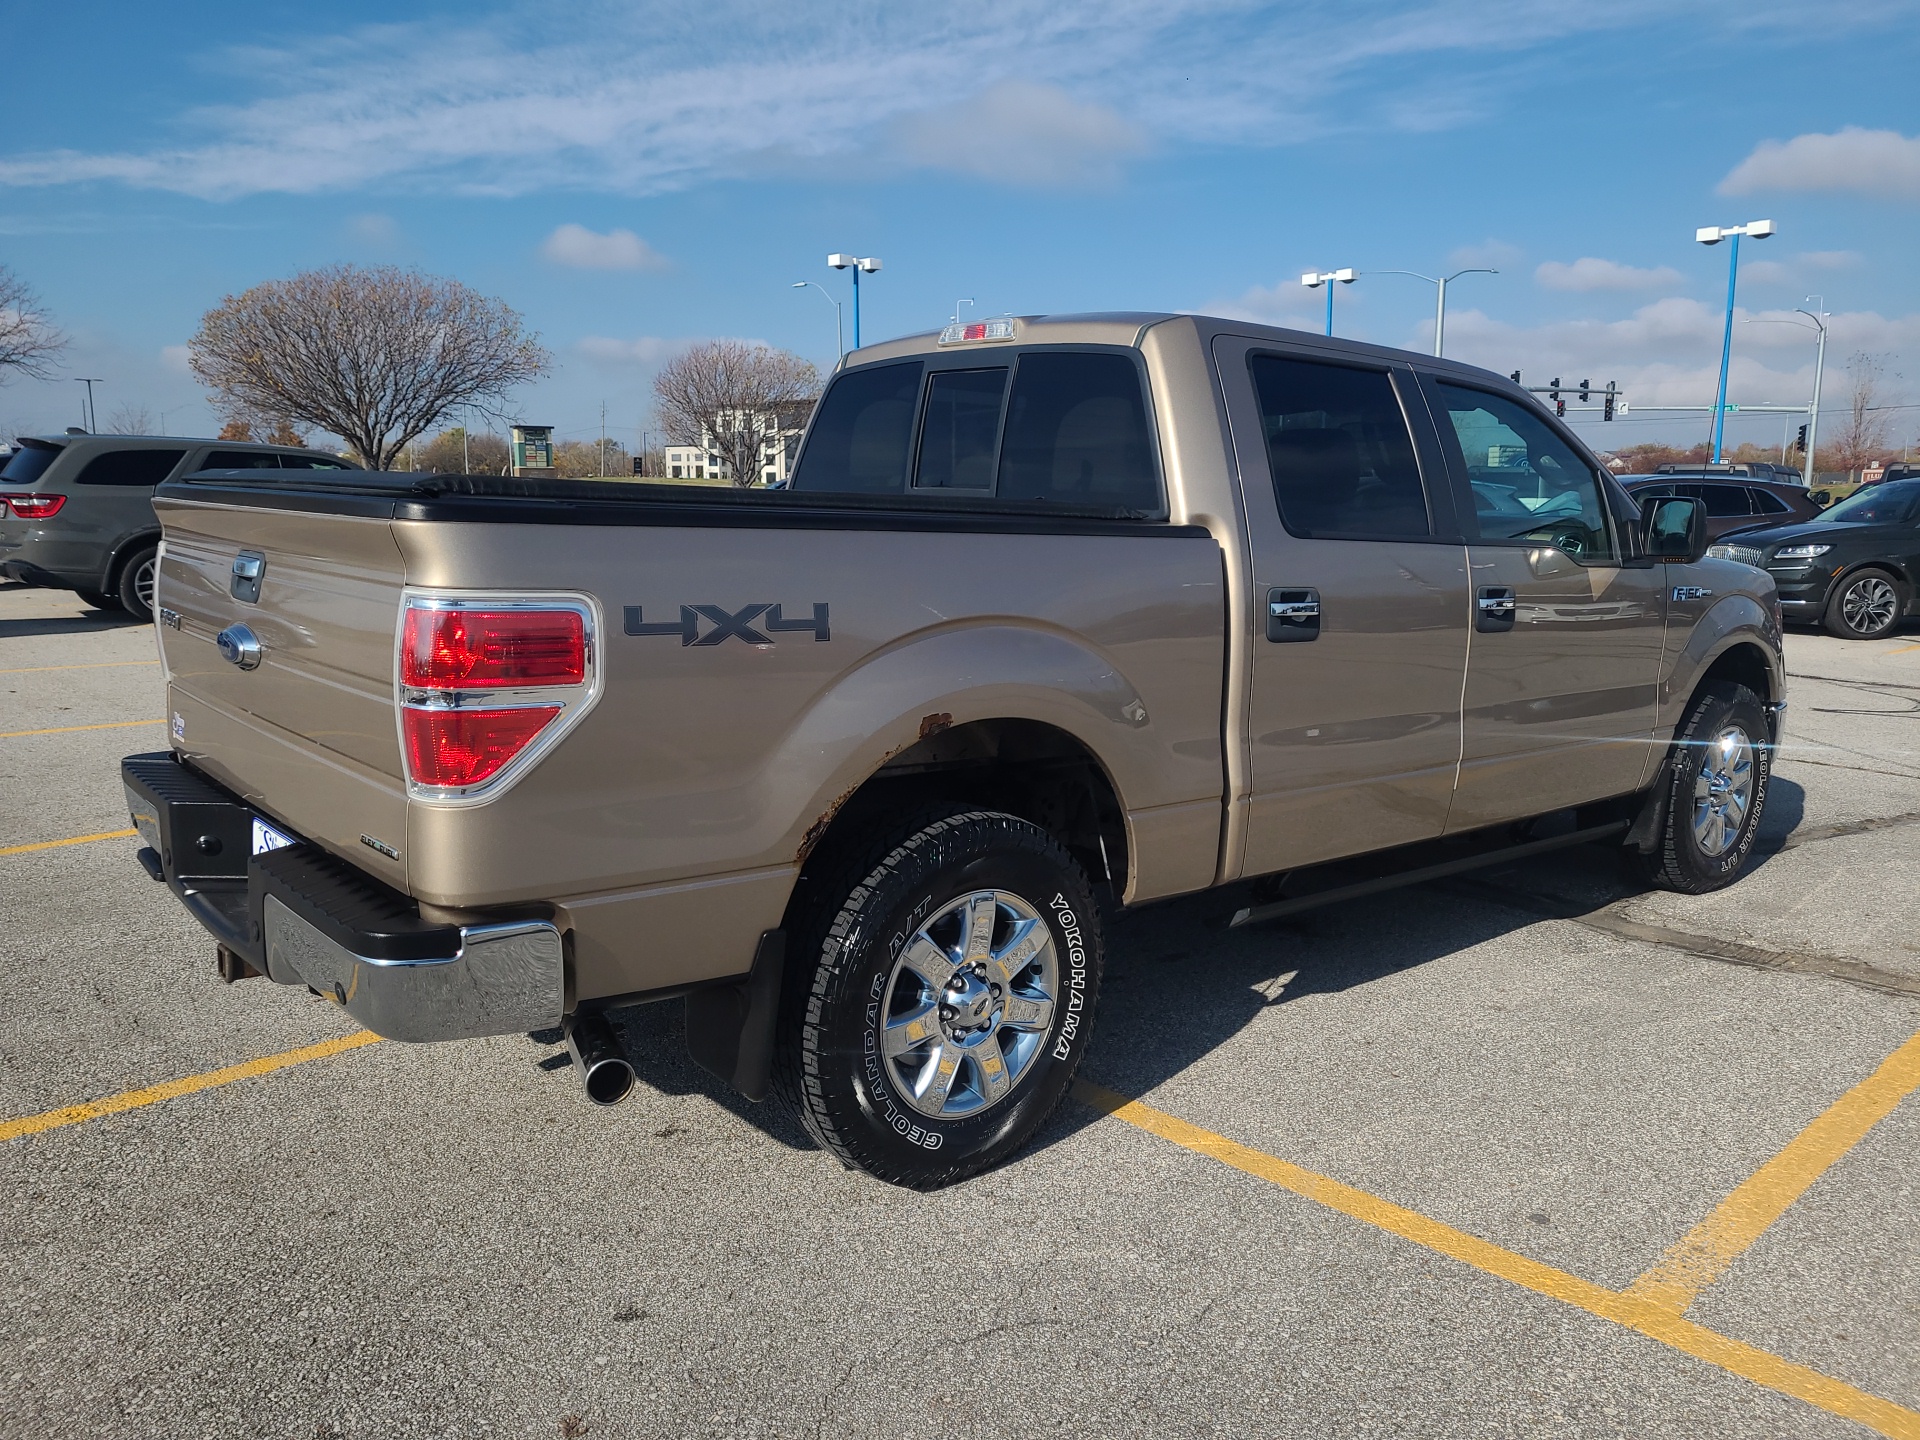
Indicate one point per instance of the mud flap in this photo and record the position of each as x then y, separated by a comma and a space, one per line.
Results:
730, 1027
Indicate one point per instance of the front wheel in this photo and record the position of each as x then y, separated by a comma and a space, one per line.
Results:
1864, 606
137, 581
942, 998
1715, 787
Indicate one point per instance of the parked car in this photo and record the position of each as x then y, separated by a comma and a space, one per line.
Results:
1854, 568
76, 511
1059, 614
1732, 502
1753, 469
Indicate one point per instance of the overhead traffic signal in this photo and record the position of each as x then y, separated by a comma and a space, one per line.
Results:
1606, 412
1801, 443
1553, 394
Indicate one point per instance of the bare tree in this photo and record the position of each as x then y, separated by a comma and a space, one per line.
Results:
736, 400
376, 356
131, 420
582, 459
1863, 434
455, 451
28, 342
263, 431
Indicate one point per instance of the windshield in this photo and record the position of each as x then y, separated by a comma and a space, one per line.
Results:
1888, 503
29, 463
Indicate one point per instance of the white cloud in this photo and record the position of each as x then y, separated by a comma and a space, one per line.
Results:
1829, 259
585, 249
1488, 254
174, 358
1589, 273
1022, 134
373, 229
494, 103
1883, 164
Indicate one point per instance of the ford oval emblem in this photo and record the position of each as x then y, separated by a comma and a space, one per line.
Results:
240, 646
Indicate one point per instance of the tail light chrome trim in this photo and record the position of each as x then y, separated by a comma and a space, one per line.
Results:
572, 703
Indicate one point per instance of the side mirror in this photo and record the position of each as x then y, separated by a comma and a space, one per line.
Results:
1675, 528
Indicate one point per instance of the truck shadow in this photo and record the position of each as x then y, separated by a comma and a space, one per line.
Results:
1179, 984
86, 624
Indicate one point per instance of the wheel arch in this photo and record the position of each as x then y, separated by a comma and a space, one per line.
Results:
124, 551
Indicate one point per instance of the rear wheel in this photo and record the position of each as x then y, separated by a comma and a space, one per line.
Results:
1715, 788
941, 997
1864, 605
137, 581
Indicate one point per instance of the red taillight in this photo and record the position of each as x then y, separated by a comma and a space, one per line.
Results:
458, 748
35, 507
468, 649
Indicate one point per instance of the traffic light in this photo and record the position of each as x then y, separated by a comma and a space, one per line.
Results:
1553, 394
1801, 443
1606, 412
1586, 388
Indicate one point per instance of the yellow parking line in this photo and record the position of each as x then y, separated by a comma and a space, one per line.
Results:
1705, 1252
1656, 1322
70, 729
1901, 651
90, 665
174, 1089
75, 840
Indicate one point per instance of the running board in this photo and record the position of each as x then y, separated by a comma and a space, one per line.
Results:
1278, 908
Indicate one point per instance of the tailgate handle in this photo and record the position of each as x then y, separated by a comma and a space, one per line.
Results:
248, 567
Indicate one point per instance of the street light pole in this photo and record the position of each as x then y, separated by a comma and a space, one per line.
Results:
90, 381
1440, 300
855, 263
839, 330
1314, 279
1819, 364
1713, 235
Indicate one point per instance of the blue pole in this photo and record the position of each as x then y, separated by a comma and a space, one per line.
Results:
856, 307
1330, 283
1726, 350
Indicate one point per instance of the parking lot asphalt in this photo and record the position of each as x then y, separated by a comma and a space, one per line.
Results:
1523, 1153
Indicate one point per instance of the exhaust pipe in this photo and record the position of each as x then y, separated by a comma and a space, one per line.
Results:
597, 1055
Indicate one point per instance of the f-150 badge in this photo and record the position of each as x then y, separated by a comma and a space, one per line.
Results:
755, 624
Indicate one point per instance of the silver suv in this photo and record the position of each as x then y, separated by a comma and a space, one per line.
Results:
76, 511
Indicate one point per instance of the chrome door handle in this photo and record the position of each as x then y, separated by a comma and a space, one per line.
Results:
1494, 608
1293, 616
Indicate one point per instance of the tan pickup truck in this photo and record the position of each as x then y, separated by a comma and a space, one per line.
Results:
1061, 615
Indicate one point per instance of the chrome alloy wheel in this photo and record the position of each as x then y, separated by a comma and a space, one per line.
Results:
144, 581
1723, 792
969, 1004
1870, 604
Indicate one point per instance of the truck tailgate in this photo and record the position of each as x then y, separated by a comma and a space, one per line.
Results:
309, 734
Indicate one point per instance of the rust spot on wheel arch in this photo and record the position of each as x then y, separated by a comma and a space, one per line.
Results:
934, 724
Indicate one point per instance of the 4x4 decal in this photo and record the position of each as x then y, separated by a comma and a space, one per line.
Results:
745, 624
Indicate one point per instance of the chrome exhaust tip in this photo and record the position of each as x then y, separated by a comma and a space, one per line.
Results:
597, 1055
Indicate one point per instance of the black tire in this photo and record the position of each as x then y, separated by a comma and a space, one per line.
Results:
1681, 859
847, 977
136, 582
99, 599
1865, 605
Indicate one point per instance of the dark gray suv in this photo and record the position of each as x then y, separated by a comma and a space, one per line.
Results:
76, 511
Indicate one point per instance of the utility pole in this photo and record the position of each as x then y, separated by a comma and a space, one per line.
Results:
1440, 302
603, 437
1819, 364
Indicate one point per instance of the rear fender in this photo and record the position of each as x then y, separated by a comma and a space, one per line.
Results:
932, 681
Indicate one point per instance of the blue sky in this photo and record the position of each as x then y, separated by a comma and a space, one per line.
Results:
634, 176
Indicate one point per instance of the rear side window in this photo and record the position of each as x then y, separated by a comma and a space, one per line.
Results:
310, 462
861, 435
29, 463
1765, 502
240, 460
129, 467
961, 427
1343, 460
1077, 433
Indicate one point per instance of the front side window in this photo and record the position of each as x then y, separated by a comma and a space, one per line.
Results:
1726, 502
861, 435
1529, 485
130, 467
1077, 433
1342, 457
961, 427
